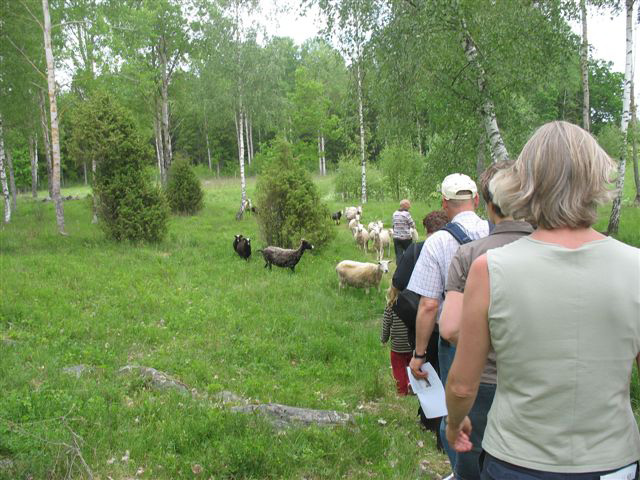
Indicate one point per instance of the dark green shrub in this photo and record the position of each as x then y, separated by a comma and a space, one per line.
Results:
184, 192
129, 206
288, 202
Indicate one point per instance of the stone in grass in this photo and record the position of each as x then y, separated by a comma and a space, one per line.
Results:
159, 380
282, 416
8, 342
77, 370
226, 397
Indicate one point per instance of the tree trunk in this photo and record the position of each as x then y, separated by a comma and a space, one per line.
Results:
53, 107
3, 178
419, 135
157, 128
84, 171
246, 131
361, 119
584, 65
324, 159
33, 154
164, 94
12, 180
250, 134
44, 122
206, 134
614, 219
488, 111
240, 132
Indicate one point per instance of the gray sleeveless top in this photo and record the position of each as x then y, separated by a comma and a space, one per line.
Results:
565, 325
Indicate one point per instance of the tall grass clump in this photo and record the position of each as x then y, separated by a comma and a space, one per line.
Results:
129, 206
289, 202
184, 193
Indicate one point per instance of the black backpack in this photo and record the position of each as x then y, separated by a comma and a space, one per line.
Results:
406, 307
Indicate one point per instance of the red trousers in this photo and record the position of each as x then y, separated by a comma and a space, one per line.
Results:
399, 364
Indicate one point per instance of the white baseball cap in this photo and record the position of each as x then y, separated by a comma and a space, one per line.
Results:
458, 182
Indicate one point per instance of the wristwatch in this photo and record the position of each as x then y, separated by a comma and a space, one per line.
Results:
421, 357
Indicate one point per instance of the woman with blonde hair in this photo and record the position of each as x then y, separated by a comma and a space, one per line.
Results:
561, 308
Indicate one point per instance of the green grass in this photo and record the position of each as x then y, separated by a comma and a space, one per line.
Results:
190, 307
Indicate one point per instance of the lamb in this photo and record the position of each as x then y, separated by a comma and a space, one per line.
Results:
336, 217
362, 237
243, 247
414, 235
236, 240
283, 257
361, 275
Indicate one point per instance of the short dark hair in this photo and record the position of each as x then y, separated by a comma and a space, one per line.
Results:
484, 180
435, 220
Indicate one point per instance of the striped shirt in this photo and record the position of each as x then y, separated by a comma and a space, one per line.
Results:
393, 327
429, 276
402, 224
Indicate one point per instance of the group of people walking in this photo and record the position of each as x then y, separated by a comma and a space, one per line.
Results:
534, 332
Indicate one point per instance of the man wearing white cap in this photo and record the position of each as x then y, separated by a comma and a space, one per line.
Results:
459, 200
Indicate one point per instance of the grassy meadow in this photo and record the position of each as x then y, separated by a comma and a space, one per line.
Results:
192, 308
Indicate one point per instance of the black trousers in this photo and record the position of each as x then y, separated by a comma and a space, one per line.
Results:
400, 246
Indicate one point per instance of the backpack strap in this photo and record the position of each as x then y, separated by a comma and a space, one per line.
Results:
458, 232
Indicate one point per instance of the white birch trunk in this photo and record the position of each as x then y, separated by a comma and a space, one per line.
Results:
3, 178
84, 171
44, 123
324, 160
53, 108
584, 64
488, 111
164, 94
240, 131
158, 134
246, 131
614, 218
206, 133
363, 199
33, 153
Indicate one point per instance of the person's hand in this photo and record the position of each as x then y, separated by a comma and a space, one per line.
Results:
415, 365
459, 436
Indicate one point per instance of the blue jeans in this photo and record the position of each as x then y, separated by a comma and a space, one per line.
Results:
468, 464
494, 469
446, 352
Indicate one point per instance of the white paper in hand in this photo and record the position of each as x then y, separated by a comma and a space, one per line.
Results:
430, 392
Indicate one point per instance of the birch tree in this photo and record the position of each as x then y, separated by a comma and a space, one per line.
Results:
614, 218
584, 67
53, 109
3, 177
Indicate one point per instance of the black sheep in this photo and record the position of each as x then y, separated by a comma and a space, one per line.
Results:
244, 248
236, 240
336, 217
284, 257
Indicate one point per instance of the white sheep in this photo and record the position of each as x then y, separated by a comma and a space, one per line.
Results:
377, 225
353, 224
351, 212
414, 235
361, 275
362, 237
381, 239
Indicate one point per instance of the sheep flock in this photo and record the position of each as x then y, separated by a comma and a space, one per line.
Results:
350, 272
